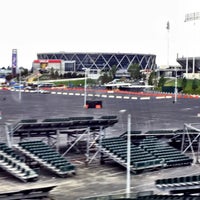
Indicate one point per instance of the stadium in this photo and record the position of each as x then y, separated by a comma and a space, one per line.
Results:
76, 62
191, 65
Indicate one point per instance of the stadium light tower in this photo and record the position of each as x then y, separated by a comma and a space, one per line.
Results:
168, 29
192, 17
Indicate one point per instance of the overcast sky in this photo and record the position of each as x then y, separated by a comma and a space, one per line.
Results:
126, 26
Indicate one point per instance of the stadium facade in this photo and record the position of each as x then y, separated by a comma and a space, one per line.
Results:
191, 66
64, 62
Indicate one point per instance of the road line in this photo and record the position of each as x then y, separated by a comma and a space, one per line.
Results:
134, 98
97, 95
144, 98
162, 97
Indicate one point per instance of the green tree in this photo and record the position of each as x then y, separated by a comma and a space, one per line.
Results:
9, 77
56, 74
112, 71
134, 70
184, 83
105, 78
52, 74
161, 82
24, 72
194, 84
152, 77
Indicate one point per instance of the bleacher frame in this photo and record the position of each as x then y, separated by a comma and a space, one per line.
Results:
74, 128
192, 132
31, 193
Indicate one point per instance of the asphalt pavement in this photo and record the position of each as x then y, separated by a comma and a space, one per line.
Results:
146, 114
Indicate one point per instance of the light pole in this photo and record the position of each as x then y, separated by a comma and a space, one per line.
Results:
128, 172
85, 88
38, 80
192, 17
121, 115
20, 94
175, 88
168, 28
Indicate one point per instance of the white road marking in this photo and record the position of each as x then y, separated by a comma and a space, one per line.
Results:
144, 98
161, 97
133, 97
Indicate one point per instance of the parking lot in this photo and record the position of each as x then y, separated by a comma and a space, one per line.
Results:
146, 114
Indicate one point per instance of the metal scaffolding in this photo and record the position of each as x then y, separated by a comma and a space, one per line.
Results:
191, 140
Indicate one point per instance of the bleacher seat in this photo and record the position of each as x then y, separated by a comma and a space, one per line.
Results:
140, 159
178, 181
171, 156
15, 165
47, 157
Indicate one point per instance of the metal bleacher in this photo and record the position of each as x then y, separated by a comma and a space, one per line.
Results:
46, 157
15, 165
149, 153
31, 193
161, 150
47, 127
116, 149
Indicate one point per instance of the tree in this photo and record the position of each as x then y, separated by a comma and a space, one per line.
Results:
162, 81
194, 84
9, 77
113, 70
52, 74
105, 78
152, 77
56, 74
134, 70
184, 83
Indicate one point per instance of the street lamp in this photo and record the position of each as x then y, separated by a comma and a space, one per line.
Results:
128, 160
85, 87
20, 77
121, 115
175, 88
192, 17
128, 172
